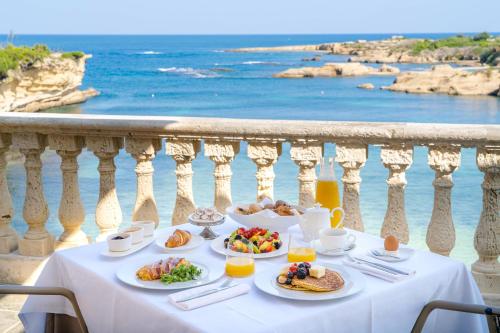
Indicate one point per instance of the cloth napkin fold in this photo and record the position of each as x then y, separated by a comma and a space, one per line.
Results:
219, 296
379, 273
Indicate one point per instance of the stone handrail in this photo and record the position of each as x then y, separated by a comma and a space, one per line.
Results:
141, 137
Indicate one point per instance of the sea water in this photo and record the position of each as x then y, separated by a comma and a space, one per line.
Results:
193, 76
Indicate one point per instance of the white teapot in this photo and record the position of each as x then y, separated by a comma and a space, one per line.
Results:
313, 220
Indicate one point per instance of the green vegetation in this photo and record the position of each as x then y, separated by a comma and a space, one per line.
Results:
490, 57
480, 41
73, 55
12, 57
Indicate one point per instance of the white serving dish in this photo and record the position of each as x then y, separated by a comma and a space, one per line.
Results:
149, 226
218, 246
136, 232
127, 274
119, 245
135, 247
266, 219
354, 282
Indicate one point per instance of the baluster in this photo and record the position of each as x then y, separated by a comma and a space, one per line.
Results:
264, 155
306, 155
183, 152
71, 212
36, 241
397, 159
108, 214
144, 150
222, 154
8, 237
441, 232
486, 269
352, 158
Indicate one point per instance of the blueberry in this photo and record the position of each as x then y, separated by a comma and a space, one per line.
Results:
237, 237
302, 270
255, 243
308, 265
301, 274
277, 245
290, 275
301, 265
226, 241
288, 281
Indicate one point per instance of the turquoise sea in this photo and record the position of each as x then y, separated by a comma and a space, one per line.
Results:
192, 76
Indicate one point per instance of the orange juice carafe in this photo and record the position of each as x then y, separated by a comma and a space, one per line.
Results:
327, 192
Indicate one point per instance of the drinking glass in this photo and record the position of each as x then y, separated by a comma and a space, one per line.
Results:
239, 264
299, 250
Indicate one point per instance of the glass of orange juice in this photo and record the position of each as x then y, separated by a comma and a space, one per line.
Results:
239, 264
328, 194
300, 250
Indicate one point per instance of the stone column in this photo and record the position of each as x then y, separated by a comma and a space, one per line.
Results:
486, 269
36, 241
441, 232
264, 155
352, 158
183, 152
108, 214
397, 159
306, 155
71, 212
8, 237
222, 154
144, 150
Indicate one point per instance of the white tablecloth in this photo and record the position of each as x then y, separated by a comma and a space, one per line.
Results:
111, 306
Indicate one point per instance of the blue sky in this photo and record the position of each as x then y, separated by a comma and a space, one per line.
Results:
247, 17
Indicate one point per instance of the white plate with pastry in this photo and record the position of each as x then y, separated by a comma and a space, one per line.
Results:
178, 240
160, 272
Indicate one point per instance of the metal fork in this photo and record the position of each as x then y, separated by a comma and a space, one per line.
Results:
383, 254
224, 285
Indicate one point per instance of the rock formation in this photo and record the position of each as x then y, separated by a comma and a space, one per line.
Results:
337, 69
366, 86
51, 82
444, 79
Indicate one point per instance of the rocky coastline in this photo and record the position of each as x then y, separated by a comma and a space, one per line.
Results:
337, 69
49, 82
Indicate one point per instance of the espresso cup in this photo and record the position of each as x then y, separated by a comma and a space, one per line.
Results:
136, 233
333, 239
149, 227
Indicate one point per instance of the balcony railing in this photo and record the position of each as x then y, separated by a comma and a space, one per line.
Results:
141, 137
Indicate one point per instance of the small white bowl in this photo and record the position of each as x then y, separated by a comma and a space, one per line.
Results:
149, 227
136, 232
119, 242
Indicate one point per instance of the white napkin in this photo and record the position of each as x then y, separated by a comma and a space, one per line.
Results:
373, 271
219, 296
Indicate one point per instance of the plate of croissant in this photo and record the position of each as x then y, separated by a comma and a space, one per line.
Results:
178, 240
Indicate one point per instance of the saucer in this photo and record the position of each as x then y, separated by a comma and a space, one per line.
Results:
333, 253
404, 253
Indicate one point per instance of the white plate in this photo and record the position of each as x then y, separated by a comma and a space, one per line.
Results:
354, 282
332, 253
196, 240
218, 246
135, 247
403, 254
126, 274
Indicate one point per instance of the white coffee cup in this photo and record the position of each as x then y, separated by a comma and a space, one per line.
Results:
333, 239
119, 242
149, 227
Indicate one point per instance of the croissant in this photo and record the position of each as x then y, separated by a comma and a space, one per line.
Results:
178, 238
155, 270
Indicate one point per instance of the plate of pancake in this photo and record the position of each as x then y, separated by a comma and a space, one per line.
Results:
335, 281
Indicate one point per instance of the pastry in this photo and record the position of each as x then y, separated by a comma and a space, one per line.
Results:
178, 238
254, 208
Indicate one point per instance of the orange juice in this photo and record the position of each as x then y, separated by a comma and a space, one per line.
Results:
327, 194
299, 254
239, 266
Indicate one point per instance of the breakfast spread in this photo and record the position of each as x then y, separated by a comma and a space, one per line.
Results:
169, 271
256, 240
391, 245
306, 277
206, 215
178, 238
280, 207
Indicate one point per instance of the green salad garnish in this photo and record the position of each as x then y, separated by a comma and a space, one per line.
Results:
182, 273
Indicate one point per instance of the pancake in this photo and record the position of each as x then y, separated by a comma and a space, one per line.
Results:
332, 281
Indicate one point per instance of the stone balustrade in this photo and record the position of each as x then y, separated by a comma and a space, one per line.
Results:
183, 138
